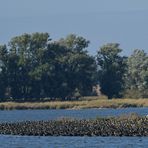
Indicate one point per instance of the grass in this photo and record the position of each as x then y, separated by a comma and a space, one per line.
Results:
83, 103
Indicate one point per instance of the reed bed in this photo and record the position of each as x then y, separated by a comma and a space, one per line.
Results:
81, 104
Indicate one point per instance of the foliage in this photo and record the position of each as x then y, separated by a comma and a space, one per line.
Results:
111, 67
136, 78
33, 66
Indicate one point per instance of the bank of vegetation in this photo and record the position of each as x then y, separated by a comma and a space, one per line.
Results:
81, 104
132, 125
32, 66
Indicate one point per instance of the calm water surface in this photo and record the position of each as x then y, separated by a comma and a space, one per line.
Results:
9, 141
72, 142
21, 115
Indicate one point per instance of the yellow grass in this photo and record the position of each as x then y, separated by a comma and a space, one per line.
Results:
88, 103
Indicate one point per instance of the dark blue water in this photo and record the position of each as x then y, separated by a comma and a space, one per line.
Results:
21, 115
8, 141
72, 142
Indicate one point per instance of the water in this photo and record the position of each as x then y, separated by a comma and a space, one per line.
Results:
72, 142
21, 115
11, 141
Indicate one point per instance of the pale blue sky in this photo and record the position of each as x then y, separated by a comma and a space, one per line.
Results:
100, 21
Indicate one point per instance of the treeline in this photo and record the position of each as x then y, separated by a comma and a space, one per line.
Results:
32, 66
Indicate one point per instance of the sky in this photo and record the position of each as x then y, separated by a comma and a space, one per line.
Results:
100, 21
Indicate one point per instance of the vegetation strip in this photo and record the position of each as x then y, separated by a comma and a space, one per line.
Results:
33, 67
98, 103
113, 126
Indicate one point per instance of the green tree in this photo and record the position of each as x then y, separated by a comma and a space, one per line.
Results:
24, 56
136, 78
3, 78
111, 67
73, 68
75, 43
33, 66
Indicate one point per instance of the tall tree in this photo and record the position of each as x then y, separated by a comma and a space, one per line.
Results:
111, 67
24, 55
74, 68
75, 43
3, 69
136, 78
33, 66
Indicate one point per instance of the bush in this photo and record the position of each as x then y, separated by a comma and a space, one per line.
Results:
132, 93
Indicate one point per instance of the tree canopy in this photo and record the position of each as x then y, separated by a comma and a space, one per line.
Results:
33, 66
137, 74
111, 69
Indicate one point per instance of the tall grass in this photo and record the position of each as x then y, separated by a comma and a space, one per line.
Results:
81, 104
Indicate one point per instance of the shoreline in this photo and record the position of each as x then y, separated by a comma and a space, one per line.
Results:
81, 104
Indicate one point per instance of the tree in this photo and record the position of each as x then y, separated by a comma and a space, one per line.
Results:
32, 67
73, 68
3, 78
136, 78
111, 67
80, 70
75, 43
24, 56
